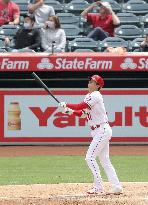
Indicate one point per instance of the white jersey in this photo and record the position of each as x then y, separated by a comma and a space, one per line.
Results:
96, 115
42, 14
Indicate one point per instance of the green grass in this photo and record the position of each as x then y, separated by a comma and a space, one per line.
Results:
67, 169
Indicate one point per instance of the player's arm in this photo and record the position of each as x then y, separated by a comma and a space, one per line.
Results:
76, 109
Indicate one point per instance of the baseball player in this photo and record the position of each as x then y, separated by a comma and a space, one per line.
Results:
93, 107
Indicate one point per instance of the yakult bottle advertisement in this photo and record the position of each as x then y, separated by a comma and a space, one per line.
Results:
34, 116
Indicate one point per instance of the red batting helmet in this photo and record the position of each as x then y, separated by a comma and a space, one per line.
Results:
98, 80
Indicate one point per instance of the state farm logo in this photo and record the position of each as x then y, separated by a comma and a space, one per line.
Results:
45, 64
129, 64
8, 64
75, 64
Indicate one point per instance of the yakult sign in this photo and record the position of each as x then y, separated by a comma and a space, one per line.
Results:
42, 121
73, 62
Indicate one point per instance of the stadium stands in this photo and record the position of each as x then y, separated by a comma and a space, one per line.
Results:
133, 15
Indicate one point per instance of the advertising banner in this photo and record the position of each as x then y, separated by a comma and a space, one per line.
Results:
75, 62
34, 116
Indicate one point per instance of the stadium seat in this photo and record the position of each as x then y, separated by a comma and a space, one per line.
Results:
2, 44
144, 20
23, 9
69, 18
83, 43
76, 6
135, 44
20, 1
145, 31
129, 18
138, 7
112, 42
128, 32
2, 50
58, 7
83, 50
116, 7
8, 30
71, 31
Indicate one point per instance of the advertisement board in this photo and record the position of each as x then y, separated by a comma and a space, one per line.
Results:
75, 62
34, 116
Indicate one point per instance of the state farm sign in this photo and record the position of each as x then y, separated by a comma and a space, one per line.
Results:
73, 62
43, 121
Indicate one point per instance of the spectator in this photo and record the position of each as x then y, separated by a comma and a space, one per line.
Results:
103, 22
53, 34
26, 37
41, 11
9, 12
144, 44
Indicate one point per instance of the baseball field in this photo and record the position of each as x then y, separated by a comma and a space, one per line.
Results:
58, 175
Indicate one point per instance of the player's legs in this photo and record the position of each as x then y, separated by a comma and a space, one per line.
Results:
100, 138
109, 169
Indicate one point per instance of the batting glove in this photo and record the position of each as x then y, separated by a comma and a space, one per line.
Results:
68, 111
62, 104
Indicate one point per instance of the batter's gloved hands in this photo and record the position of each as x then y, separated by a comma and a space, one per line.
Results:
62, 104
68, 111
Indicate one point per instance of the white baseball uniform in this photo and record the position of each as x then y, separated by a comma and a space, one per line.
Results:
101, 134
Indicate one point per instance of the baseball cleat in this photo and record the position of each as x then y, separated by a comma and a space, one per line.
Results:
117, 190
94, 191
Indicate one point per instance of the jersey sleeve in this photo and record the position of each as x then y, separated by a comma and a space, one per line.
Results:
91, 99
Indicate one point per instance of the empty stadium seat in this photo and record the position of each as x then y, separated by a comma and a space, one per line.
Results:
83, 43
112, 42
144, 20
128, 32
8, 30
71, 31
76, 6
116, 7
2, 50
83, 50
128, 18
20, 1
69, 18
2, 44
145, 32
135, 44
138, 7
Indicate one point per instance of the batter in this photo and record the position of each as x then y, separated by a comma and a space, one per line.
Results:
93, 108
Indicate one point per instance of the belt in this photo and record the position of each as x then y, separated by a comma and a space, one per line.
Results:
96, 126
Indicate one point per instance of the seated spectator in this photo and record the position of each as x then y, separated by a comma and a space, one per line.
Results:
103, 22
53, 35
144, 44
26, 37
41, 11
9, 12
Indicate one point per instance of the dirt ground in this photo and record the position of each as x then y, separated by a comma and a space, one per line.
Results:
70, 194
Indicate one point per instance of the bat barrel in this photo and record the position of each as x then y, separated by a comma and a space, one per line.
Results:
36, 77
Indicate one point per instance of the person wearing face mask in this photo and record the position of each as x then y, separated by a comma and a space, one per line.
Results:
9, 12
103, 22
41, 11
53, 37
26, 37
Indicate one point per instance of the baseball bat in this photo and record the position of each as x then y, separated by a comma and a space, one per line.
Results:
36, 77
